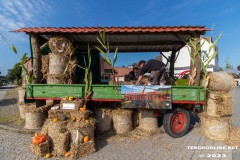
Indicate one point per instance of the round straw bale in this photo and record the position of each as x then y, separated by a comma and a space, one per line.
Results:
22, 110
21, 94
45, 64
35, 117
122, 121
220, 81
61, 45
148, 121
57, 63
56, 79
215, 128
104, 119
233, 138
219, 104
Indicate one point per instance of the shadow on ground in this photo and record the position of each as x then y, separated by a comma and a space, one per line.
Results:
8, 102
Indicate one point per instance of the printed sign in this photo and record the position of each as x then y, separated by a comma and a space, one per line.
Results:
152, 97
68, 106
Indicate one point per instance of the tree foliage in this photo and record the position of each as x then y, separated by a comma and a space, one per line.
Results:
15, 74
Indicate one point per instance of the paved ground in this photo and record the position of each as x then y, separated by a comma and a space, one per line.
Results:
161, 146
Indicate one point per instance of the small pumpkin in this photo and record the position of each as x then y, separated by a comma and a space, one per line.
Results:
85, 139
68, 154
35, 134
39, 139
70, 98
48, 155
55, 119
87, 120
83, 109
73, 119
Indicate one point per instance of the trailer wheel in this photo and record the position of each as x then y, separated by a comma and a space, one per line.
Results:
176, 123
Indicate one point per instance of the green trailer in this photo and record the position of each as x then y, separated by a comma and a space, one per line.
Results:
170, 39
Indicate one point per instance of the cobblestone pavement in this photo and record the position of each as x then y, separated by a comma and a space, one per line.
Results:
15, 146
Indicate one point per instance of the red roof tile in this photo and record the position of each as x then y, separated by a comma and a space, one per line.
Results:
153, 29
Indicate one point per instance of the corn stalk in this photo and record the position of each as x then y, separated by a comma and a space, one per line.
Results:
88, 74
105, 51
196, 52
28, 76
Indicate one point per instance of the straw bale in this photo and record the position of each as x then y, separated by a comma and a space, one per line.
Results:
122, 120
148, 121
219, 104
57, 63
35, 117
59, 114
56, 79
61, 45
80, 115
233, 138
45, 126
22, 110
220, 81
59, 140
104, 119
21, 94
40, 149
45, 64
214, 128
82, 150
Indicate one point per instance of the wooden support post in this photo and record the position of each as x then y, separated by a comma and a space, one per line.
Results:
195, 69
37, 56
172, 61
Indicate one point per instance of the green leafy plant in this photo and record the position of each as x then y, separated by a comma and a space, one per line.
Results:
197, 46
88, 74
28, 76
105, 51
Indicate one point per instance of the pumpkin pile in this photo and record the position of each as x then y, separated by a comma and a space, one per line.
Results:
40, 145
68, 132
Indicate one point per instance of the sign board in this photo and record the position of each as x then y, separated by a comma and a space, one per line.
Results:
151, 97
68, 106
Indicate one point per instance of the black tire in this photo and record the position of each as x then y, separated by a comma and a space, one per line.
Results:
168, 123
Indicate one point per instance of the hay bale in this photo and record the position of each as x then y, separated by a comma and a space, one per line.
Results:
220, 81
61, 45
219, 104
59, 114
58, 138
56, 78
122, 121
21, 94
22, 110
45, 127
45, 64
40, 149
82, 150
57, 63
148, 121
104, 119
35, 117
214, 128
233, 138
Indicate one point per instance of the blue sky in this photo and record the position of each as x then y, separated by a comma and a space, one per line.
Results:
222, 14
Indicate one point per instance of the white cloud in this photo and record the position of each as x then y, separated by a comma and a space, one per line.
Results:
15, 14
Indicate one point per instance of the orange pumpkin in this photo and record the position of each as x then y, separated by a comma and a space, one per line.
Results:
83, 109
39, 139
68, 154
85, 139
87, 120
